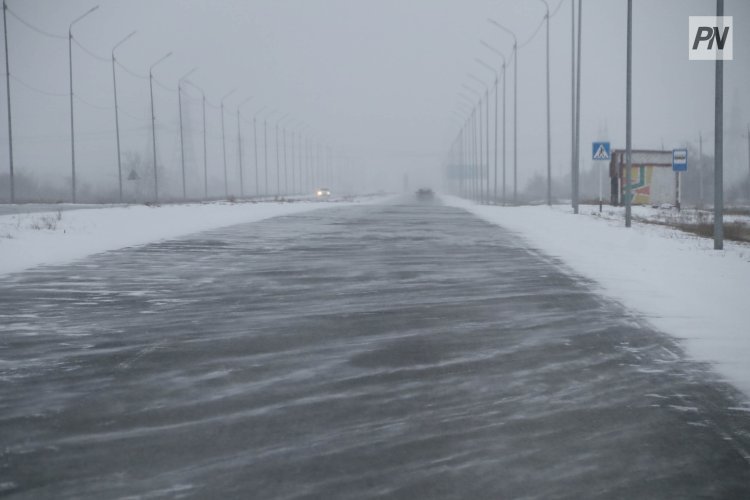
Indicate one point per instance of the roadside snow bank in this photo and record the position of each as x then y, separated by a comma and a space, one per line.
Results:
675, 280
32, 239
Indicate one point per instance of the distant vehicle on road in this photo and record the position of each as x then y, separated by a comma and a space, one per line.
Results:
425, 194
322, 193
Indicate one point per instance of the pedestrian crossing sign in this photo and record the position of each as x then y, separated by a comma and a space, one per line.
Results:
600, 151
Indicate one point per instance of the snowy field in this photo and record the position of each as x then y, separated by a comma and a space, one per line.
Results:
673, 279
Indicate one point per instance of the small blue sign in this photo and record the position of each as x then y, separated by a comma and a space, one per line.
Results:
679, 160
600, 151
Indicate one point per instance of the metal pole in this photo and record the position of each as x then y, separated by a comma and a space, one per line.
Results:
182, 138
700, 165
496, 97
10, 122
265, 155
72, 127
255, 141
153, 135
515, 123
153, 123
572, 99
278, 170
239, 148
70, 73
117, 116
719, 147
239, 154
504, 154
487, 143
224, 151
549, 133
205, 150
628, 116
577, 166
286, 170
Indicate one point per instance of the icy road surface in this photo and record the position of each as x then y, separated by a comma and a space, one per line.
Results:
400, 351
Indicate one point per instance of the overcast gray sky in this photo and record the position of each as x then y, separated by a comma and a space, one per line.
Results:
377, 80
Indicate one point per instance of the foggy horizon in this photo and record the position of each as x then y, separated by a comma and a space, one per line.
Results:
377, 82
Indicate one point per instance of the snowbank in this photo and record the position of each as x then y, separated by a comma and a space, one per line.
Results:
673, 279
32, 239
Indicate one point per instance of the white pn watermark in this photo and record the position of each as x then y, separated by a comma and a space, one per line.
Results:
710, 38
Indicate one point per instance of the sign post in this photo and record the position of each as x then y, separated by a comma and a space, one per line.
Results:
679, 164
600, 151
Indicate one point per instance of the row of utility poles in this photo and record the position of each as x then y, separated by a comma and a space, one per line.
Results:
311, 159
466, 151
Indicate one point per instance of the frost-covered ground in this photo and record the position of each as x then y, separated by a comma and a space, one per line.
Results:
57, 237
672, 278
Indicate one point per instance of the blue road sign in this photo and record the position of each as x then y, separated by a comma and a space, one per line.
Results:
679, 160
600, 151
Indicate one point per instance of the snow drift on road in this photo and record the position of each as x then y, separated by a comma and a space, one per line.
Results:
675, 280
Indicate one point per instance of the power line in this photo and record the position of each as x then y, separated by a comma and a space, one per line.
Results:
96, 106
92, 54
541, 23
38, 90
34, 28
130, 71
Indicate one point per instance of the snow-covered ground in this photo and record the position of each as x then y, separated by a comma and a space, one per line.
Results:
33, 239
675, 280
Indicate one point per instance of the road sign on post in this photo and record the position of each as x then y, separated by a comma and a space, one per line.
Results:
600, 151
679, 160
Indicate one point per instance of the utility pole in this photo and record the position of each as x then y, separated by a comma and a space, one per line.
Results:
10, 122
628, 115
224, 143
182, 136
549, 133
117, 117
572, 100
577, 165
239, 149
70, 73
700, 165
205, 150
719, 147
153, 123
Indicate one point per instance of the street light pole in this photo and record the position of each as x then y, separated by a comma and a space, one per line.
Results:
719, 146
255, 141
515, 108
117, 117
577, 164
493, 49
239, 148
224, 142
480, 165
628, 111
205, 150
487, 136
182, 137
549, 133
497, 77
70, 69
7, 91
153, 123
